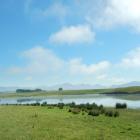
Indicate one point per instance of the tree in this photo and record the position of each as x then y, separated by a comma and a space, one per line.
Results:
60, 89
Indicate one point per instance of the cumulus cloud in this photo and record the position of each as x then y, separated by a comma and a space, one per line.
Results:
54, 10
43, 62
40, 60
120, 12
132, 59
58, 10
102, 13
73, 34
78, 67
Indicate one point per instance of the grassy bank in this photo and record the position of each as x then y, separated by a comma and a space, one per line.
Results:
48, 93
129, 90
41, 123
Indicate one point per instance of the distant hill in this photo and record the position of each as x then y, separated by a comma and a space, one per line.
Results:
131, 89
12, 89
68, 86
8, 89
130, 84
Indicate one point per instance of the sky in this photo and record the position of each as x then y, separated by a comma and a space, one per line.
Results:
48, 42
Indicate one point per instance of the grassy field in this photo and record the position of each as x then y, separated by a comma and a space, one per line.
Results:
41, 123
70, 92
48, 93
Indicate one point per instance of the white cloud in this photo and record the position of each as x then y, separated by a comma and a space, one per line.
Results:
73, 34
110, 78
132, 59
55, 10
42, 61
103, 13
78, 67
116, 80
120, 12
39, 61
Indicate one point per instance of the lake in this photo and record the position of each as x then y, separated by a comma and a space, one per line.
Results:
106, 100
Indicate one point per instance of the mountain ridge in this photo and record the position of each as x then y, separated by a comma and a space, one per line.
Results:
69, 86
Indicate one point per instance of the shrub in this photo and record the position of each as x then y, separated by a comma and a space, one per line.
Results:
109, 113
60, 89
101, 107
112, 113
75, 110
83, 109
121, 106
60, 105
88, 106
102, 111
81, 106
44, 104
83, 113
95, 106
72, 105
94, 113
50, 107
116, 114
69, 110
35, 104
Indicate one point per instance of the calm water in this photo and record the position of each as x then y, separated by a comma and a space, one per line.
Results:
108, 101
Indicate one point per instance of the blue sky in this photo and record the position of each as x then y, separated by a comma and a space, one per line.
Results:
74, 41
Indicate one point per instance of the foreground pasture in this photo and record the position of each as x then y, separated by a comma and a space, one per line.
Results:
43, 123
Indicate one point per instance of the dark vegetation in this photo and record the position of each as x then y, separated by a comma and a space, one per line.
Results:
28, 90
60, 89
111, 113
119, 105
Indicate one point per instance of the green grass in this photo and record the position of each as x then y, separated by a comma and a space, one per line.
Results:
41, 123
70, 92
129, 89
48, 93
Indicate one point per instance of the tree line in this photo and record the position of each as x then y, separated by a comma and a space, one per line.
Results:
28, 90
